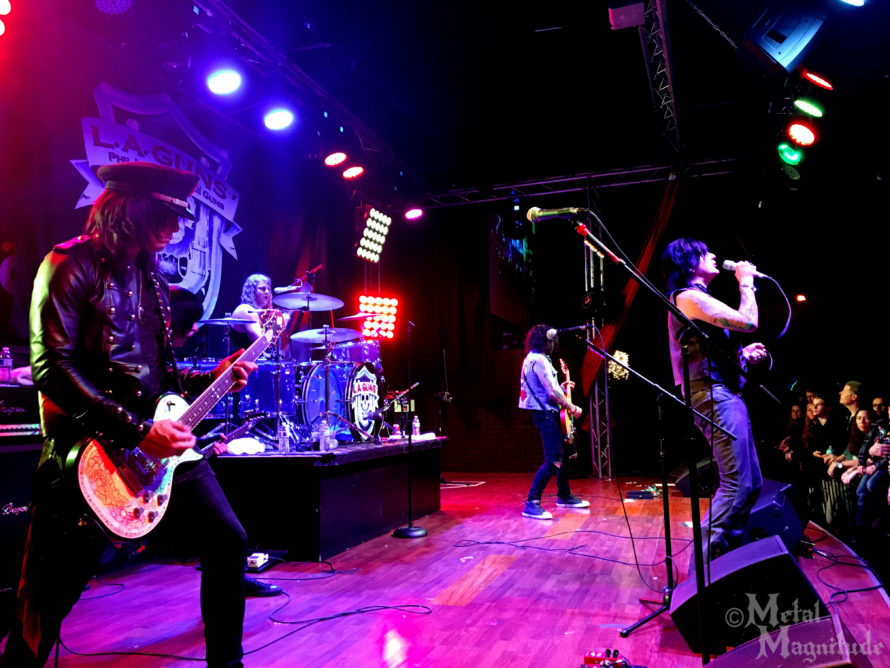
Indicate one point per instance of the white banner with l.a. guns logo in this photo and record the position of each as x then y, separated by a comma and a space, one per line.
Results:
193, 260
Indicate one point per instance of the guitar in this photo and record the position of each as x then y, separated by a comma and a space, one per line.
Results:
565, 418
128, 491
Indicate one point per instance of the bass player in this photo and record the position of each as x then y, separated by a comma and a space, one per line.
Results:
540, 393
100, 352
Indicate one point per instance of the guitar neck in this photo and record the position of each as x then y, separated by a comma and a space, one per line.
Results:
221, 385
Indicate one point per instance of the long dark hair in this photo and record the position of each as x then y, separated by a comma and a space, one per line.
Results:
118, 218
680, 260
536, 340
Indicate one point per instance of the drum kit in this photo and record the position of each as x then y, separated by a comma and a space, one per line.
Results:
323, 401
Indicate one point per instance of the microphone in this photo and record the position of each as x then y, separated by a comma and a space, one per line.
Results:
538, 215
312, 271
729, 265
296, 285
552, 333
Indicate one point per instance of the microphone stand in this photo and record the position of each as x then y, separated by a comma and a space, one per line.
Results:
409, 531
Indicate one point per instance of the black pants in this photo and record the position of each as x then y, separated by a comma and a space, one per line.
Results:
61, 554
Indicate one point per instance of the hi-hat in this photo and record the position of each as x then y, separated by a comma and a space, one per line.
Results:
326, 335
306, 301
224, 321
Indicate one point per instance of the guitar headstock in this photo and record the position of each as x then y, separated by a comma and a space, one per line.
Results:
563, 367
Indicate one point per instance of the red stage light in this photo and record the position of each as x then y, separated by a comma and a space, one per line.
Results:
801, 134
814, 78
380, 320
334, 159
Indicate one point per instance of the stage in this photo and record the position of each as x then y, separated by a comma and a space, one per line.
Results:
485, 587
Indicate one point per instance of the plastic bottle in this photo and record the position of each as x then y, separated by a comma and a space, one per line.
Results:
283, 439
5, 366
415, 426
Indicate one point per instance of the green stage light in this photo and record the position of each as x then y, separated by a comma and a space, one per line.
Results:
808, 107
789, 154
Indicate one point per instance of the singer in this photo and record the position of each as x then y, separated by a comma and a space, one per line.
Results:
540, 393
715, 383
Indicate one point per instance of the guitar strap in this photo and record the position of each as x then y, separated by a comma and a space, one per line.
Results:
529, 389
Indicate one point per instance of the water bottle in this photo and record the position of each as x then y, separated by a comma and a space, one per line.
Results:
415, 426
5, 366
283, 439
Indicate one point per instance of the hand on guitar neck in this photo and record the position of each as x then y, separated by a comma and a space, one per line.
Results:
570, 411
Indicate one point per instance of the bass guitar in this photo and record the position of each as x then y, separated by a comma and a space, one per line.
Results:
565, 418
128, 491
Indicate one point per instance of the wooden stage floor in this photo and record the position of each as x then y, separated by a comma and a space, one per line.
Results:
485, 587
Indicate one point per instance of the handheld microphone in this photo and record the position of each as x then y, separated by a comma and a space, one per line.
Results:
538, 215
553, 333
729, 265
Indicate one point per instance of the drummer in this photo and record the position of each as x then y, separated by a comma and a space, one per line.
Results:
255, 310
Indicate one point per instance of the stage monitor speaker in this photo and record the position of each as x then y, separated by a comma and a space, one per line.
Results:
708, 479
821, 643
752, 590
774, 514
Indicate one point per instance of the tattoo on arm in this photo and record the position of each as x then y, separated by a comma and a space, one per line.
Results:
700, 306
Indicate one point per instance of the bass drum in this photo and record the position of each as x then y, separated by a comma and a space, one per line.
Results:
354, 391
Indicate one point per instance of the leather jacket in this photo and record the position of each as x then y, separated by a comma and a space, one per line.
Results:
94, 374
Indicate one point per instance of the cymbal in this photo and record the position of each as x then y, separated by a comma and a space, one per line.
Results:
355, 316
306, 301
223, 321
326, 335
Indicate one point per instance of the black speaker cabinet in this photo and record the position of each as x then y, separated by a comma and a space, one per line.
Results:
755, 589
822, 643
17, 466
706, 470
775, 514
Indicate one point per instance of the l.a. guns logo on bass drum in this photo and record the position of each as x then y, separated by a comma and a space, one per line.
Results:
365, 397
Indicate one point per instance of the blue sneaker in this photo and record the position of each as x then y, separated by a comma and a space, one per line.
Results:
533, 509
573, 502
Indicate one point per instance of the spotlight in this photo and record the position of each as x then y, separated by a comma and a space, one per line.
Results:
353, 172
224, 81
334, 159
414, 213
5, 7
802, 133
809, 107
789, 155
279, 118
817, 80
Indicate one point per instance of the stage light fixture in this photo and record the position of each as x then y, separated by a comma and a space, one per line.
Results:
809, 106
5, 7
790, 155
2, 28
380, 320
414, 213
802, 133
334, 159
224, 81
854, 3
817, 80
353, 172
374, 235
279, 118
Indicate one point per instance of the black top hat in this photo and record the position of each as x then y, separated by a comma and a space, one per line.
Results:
170, 186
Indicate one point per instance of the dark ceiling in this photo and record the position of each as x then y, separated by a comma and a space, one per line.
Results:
471, 94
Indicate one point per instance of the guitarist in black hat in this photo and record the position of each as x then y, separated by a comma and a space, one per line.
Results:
100, 353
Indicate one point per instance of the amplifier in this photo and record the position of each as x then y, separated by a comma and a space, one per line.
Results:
18, 405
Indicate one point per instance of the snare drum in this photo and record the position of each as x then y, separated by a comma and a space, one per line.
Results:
354, 392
